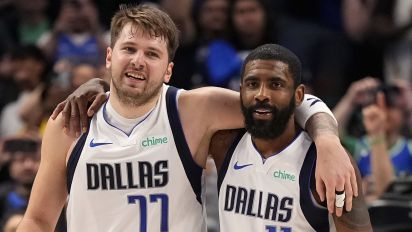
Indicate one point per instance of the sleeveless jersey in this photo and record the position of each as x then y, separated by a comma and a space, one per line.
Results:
270, 196
142, 181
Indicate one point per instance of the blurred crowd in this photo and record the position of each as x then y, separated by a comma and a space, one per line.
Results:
356, 56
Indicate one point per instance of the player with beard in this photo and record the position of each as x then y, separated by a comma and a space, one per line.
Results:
266, 181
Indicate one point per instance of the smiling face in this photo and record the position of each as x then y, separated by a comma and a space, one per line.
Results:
268, 97
139, 65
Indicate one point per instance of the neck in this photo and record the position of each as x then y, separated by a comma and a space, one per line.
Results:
270, 147
129, 111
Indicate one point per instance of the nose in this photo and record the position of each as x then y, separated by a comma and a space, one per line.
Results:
138, 60
262, 94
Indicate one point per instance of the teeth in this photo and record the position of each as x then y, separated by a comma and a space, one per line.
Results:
135, 76
262, 111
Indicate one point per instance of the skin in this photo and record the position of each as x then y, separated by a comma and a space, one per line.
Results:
222, 109
270, 81
202, 112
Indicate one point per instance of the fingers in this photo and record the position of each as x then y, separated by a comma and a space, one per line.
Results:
339, 210
331, 189
59, 108
74, 119
82, 106
97, 103
348, 194
66, 117
320, 189
380, 100
354, 183
330, 197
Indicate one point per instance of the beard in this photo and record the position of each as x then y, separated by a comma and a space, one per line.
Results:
135, 100
267, 129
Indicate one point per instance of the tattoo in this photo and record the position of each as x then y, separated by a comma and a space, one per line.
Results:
321, 123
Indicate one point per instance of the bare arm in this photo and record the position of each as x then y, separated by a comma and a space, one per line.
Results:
49, 191
204, 111
333, 167
374, 119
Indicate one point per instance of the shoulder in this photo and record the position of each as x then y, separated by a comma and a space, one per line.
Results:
55, 139
221, 142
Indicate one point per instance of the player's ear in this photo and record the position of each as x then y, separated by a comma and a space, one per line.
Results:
168, 73
299, 94
109, 57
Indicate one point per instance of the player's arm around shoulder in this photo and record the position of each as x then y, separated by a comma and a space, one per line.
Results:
217, 108
49, 191
357, 220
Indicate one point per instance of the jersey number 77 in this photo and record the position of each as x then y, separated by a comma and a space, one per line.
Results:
152, 198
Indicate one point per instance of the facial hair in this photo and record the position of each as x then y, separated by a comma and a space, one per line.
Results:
267, 129
136, 100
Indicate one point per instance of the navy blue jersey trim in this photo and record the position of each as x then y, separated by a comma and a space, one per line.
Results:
74, 159
226, 161
193, 171
317, 217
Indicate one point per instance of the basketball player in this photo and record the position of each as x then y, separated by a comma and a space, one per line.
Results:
266, 181
139, 165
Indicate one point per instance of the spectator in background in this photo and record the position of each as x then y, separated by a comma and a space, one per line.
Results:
81, 74
381, 33
216, 60
36, 109
383, 153
255, 22
390, 154
76, 36
250, 24
398, 54
23, 22
24, 154
32, 21
29, 72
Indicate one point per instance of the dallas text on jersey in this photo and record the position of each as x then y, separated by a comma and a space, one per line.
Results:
254, 203
128, 175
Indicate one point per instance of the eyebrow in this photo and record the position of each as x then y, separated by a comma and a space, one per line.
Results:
155, 49
254, 78
128, 43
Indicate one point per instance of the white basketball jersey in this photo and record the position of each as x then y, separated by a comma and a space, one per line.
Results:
142, 181
270, 196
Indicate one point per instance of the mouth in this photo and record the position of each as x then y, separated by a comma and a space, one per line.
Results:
262, 113
135, 76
